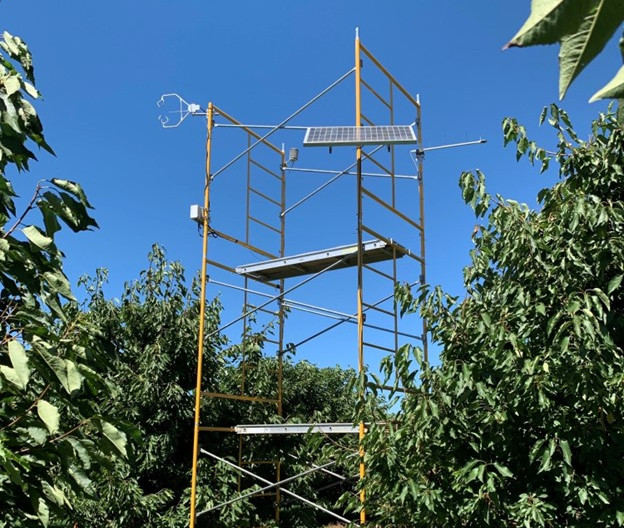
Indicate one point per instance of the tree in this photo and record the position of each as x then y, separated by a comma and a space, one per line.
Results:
151, 334
51, 431
151, 344
522, 423
582, 29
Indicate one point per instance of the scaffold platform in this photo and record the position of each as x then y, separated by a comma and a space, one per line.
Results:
317, 261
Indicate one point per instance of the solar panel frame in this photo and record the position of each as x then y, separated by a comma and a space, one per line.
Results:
356, 136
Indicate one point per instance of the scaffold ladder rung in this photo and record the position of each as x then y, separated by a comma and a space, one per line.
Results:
379, 347
377, 309
241, 397
379, 272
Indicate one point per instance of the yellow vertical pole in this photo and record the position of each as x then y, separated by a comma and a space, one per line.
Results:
395, 305
392, 158
280, 356
280, 372
360, 310
241, 438
246, 295
202, 316
421, 192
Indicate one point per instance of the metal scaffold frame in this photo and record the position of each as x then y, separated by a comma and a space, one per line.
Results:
253, 140
369, 258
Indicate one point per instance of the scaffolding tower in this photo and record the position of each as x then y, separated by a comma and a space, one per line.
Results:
383, 247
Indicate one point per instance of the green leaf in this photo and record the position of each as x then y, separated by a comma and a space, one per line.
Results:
71, 211
19, 360
12, 469
600, 20
81, 478
547, 23
73, 188
59, 284
38, 434
56, 364
565, 344
11, 376
65, 370
567, 454
545, 461
31, 90
17, 50
582, 494
20, 373
472, 475
38, 238
116, 437
50, 219
74, 377
10, 118
600, 494
49, 414
11, 84
4, 248
435, 411
614, 283
54, 494
504, 471
81, 451
42, 509
614, 89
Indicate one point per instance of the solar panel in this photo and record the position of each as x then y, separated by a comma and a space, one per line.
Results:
365, 135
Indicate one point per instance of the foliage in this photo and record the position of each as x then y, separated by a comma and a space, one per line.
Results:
51, 431
582, 29
522, 423
152, 336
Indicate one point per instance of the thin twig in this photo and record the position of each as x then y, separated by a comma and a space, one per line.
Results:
27, 410
26, 211
9, 336
64, 435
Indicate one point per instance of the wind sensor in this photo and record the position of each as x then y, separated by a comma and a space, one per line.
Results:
184, 110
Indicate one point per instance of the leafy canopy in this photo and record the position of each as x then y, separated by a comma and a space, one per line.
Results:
151, 345
150, 337
52, 433
522, 424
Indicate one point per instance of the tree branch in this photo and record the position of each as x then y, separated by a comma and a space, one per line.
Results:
66, 434
30, 206
27, 410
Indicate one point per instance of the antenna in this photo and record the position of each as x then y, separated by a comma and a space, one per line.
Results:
418, 155
421, 151
184, 110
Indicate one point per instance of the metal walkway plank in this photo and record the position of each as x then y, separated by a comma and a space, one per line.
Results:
315, 261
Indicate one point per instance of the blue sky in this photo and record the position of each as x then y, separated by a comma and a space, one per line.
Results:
102, 66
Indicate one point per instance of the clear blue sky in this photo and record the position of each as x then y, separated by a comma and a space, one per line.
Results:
101, 67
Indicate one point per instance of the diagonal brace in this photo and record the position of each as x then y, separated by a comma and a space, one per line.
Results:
283, 490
